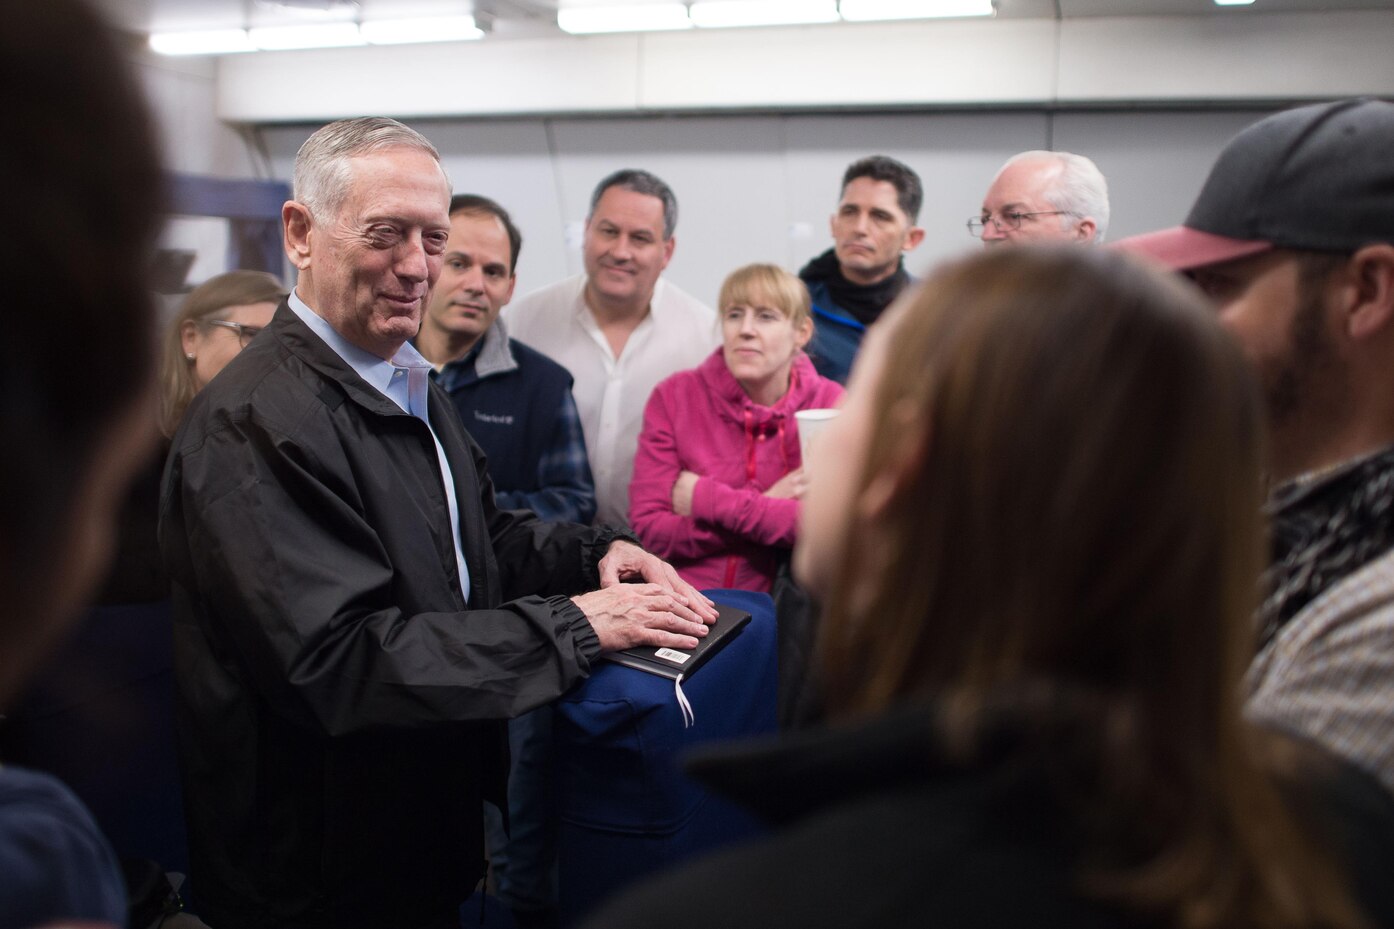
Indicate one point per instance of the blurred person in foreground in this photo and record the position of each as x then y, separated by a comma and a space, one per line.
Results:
719, 474
1038, 542
82, 177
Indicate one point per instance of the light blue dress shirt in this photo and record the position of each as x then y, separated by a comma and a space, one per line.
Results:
405, 379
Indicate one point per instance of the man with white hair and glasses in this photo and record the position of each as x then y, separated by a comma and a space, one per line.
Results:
1040, 196
355, 617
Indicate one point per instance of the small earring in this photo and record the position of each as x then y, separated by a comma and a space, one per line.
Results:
190, 356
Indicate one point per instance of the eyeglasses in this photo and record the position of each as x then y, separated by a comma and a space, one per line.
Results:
1009, 220
245, 334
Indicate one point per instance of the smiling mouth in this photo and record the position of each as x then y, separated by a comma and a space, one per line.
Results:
402, 302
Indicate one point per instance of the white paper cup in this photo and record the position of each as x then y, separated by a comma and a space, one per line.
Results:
810, 424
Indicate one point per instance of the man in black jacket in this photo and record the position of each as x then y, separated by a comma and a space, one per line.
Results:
354, 615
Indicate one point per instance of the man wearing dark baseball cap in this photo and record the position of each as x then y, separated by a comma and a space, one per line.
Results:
1293, 237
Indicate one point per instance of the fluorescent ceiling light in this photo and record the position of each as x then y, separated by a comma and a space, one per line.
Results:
305, 8
209, 42
869, 10
724, 13
1234, 2
322, 35
430, 29
652, 17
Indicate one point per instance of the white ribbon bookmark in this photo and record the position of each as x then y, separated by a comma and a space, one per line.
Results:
688, 717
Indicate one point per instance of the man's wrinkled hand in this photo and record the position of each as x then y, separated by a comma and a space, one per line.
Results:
626, 615
627, 561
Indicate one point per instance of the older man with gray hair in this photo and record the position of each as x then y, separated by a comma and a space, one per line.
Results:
354, 616
1042, 196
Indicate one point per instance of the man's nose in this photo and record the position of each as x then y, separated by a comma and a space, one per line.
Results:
412, 262
992, 231
472, 281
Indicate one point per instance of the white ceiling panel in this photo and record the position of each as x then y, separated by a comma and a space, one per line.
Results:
525, 17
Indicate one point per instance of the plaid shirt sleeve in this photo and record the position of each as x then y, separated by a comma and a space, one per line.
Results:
1329, 674
566, 489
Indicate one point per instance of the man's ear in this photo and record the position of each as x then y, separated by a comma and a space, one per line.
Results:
669, 245
913, 237
297, 224
1368, 291
1087, 229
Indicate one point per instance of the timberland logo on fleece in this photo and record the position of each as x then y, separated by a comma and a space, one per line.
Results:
501, 419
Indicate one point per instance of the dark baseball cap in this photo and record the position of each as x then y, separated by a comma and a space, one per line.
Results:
1318, 177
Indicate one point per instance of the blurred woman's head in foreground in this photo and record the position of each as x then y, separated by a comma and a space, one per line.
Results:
1044, 506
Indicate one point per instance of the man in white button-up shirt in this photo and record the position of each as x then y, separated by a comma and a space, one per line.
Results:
619, 328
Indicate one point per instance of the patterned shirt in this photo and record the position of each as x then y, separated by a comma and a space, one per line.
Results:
1325, 666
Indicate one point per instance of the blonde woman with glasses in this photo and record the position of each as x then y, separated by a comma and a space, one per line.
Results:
218, 319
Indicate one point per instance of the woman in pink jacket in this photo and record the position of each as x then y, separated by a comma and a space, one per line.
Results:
718, 474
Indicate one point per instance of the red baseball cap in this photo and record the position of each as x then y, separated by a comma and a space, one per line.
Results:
1316, 178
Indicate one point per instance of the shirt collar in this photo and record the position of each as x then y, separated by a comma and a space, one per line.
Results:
1311, 482
489, 356
365, 364
494, 356
656, 305
461, 371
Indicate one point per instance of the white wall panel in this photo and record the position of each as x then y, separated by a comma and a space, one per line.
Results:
511, 162
947, 62
1259, 57
193, 140
1276, 56
724, 171
1155, 163
591, 74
